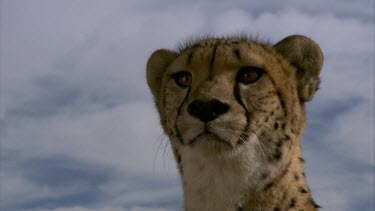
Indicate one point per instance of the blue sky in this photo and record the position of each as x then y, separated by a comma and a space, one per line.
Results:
79, 131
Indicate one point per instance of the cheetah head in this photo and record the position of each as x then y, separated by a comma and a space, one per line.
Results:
221, 96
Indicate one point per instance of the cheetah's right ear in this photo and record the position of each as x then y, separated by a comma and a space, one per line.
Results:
156, 65
305, 55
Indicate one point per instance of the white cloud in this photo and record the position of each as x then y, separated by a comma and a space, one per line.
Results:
147, 209
19, 186
353, 134
73, 84
125, 136
137, 208
337, 185
127, 139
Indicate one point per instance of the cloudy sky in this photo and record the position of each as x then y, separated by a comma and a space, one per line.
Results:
78, 128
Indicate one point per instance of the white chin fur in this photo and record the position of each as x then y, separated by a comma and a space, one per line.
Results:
191, 134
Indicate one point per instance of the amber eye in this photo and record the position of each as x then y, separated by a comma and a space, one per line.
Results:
249, 75
182, 78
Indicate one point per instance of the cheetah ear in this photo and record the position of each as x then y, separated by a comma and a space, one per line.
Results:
305, 55
156, 65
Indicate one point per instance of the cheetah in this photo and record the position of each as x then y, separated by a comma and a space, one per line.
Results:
233, 109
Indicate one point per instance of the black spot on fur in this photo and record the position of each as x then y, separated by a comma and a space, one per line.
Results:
293, 131
237, 53
285, 171
276, 126
264, 98
268, 186
278, 154
190, 56
296, 176
279, 143
234, 42
292, 202
301, 160
312, 202
265, 175
287, 137
195, 45
283, 125
239, 209
276, 209
266, 120
302, 190
282, 102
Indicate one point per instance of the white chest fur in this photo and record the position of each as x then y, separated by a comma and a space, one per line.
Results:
215, 183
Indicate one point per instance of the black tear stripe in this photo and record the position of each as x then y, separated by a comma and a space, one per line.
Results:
190, 56
178, 134
244, 136
212, 61
183, 102
237, 53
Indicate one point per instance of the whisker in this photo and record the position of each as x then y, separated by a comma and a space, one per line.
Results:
164, 151
160, 141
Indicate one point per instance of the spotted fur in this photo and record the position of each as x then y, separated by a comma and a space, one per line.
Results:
235, 116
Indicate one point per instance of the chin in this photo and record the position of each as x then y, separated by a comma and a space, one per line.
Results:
209, 143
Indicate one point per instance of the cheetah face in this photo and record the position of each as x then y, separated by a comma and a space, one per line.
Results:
220, 101
219, 95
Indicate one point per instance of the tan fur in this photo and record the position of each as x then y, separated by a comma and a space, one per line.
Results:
249, 157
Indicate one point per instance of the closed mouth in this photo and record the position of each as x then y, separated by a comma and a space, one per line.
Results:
207, 132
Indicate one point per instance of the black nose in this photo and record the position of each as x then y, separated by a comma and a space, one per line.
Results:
207, 111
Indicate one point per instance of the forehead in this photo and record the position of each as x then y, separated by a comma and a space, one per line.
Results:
223, 54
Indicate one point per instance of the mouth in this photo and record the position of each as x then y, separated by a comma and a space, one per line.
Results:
210, 136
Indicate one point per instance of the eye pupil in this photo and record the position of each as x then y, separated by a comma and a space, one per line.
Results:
248, 75
182, 79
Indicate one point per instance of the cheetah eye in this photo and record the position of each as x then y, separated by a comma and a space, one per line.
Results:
182, 78
249, 74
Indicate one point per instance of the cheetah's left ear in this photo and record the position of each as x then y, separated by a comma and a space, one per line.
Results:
305, 55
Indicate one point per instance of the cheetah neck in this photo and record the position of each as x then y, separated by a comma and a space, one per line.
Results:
232, 184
